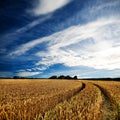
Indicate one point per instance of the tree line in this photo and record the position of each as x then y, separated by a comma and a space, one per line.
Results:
63, 77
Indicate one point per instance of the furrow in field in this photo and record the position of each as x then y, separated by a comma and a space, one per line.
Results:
108, 107
68, 95
85, 105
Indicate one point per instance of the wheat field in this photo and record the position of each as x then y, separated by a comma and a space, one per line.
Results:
43, 99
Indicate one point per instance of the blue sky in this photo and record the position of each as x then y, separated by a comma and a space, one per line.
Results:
41, 38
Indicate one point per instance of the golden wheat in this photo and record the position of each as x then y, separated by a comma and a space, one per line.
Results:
59, 100
24, 99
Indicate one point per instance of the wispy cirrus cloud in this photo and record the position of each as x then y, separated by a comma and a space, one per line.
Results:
100, 8
88, 41
77, 33
92, 45
27, 74
95, 45
33, 24
48, 6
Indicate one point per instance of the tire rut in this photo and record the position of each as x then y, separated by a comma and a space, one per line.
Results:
77, 92
83, 87
108, 106
69, 98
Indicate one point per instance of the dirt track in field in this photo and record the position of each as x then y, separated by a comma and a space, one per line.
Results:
108, 106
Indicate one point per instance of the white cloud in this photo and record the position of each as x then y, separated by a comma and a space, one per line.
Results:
25, 47
95, 45
41, 68
37, 68
92, 45
98, 8
48, 6
27, 74
66, 36
33, 24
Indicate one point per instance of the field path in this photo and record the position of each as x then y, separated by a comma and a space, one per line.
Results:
68, 98
83, 87
108, 106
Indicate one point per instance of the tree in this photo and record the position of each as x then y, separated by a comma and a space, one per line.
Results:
68, 77
75, 77
16, 77
53, 77
61, 77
